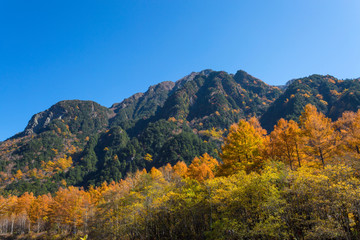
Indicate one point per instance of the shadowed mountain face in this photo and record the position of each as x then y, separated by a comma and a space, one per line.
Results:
83, 143
144, 105
218, 100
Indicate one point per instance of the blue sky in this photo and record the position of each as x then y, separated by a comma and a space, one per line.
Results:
106, 51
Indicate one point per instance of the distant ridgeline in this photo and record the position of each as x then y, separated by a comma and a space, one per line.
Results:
82, 143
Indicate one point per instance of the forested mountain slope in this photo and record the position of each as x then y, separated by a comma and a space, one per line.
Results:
82, 143
329, 94
300, 181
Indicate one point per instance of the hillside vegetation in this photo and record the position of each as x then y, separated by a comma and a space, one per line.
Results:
210, 156
81, 143
300, 181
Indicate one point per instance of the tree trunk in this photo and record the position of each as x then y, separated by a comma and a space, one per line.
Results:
12, 225
322, 157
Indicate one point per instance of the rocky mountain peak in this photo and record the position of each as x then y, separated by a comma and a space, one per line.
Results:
69, 111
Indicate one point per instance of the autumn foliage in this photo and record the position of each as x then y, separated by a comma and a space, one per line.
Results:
301, 181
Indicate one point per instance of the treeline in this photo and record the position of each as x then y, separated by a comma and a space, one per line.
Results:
301, 181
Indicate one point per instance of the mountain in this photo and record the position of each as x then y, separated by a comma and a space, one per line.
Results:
329, 94
144, 105
81, 117
219, 100
82, 143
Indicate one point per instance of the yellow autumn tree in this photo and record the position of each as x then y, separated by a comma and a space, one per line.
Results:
18, 174
64, 163
148, 157
156, 174
213, 133
242, 149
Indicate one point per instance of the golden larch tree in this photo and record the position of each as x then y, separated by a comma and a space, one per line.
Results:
318, 133
286, 142
203, 168
242, 149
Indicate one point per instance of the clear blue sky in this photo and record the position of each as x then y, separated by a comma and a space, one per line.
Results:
108, 50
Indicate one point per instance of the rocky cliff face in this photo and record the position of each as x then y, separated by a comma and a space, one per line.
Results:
40, 121
76, 113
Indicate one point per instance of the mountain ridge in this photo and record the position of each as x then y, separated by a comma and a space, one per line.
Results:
84, 143
166, 86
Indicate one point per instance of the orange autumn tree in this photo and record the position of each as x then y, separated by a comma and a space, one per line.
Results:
168, 172
156, 174
10, 211
22, 210
318, 134
253, 121
70, 208
38, 211
242, 149
18, 174
349, 128
180, 169
285, 143
203, 168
